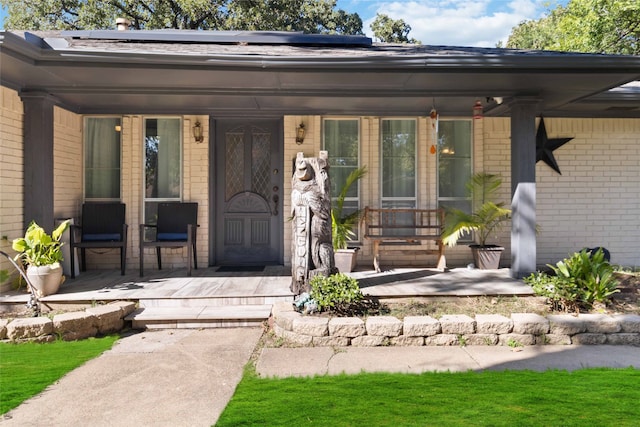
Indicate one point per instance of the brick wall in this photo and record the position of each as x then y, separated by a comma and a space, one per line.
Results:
596, 200
11, 171
67, 164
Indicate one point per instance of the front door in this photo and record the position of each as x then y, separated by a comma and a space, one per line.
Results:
248, 192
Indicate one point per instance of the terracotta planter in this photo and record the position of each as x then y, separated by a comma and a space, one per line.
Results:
487, 257
45, 279
346, 259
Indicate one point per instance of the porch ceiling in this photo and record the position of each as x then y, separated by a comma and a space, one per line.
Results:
105, 77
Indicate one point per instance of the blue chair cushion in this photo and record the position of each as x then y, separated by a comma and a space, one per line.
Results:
172, 236
104, 237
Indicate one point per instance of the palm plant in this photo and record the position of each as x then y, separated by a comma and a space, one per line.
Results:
485, 219
342, 225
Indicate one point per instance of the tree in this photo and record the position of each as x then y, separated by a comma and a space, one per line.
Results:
310, 16
388, 30
594, 26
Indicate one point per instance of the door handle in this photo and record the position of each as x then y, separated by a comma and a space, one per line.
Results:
275, 199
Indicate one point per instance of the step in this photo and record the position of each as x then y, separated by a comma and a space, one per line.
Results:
227, 316
225, 300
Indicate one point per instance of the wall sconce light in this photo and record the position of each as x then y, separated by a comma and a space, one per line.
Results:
300, 133
477, 110
197, 132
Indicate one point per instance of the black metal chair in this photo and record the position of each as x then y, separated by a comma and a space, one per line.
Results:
176, 228
103, 226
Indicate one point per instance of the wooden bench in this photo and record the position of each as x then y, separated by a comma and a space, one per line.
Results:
405, 225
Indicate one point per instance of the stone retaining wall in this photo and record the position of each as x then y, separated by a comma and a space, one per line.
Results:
99, 320
484, 329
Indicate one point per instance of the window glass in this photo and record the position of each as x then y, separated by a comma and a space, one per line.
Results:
341, 138
454, 164
163, 163
398, 156
102, 158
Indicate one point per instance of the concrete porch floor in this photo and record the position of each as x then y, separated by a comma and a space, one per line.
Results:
213, 299
270, 285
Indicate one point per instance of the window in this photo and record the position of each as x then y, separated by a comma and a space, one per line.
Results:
398, 157
162, 164
341, 138
454, 164
102, 158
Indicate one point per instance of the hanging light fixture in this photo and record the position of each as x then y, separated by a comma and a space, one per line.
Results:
477, 110
300, 133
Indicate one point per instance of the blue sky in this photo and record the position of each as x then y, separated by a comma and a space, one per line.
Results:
481, 23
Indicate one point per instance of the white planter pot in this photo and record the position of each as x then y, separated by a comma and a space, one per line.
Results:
346, 259
45, 279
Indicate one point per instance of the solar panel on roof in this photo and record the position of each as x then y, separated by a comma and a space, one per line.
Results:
223, 37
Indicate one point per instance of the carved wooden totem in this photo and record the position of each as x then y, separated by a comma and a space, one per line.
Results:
311, 247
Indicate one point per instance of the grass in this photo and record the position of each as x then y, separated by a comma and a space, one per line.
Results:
29, 368
602, 397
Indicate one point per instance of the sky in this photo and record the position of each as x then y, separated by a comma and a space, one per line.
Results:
479, 23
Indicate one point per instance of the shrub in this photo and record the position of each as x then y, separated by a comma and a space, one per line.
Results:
337, 292
578, 282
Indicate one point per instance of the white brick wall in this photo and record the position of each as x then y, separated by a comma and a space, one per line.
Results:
596, 200
67, 164
11, 171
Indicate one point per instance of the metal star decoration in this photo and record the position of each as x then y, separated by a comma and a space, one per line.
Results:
545, 147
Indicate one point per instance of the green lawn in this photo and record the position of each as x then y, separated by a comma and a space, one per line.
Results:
27, 369
590, 397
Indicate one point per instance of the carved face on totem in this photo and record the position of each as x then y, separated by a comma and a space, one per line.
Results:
313, 169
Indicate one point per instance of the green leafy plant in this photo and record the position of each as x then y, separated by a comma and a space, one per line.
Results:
462, 340
336, 292
342, 225
37, 248
514, 343
488, 215
578, 282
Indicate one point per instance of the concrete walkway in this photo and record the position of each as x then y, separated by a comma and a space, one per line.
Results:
162, 378
284, 362
186, 377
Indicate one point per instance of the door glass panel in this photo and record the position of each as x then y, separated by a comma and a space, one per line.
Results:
261, 163
234, 168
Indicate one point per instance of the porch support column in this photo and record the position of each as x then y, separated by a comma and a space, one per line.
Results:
523, 187
38, 159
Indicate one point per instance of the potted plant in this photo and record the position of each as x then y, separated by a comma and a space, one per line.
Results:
342, 225
42, 253
487, 216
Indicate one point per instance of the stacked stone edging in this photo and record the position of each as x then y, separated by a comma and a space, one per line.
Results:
100, 320
484, 329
